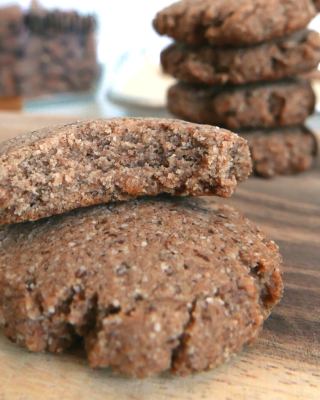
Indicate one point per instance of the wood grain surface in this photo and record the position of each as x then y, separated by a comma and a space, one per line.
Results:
283, 364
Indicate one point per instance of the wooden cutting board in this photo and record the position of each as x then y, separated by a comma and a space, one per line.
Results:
283, 364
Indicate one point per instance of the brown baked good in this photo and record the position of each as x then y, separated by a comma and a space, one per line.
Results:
285, 151
313, 75
285, 57
150, 284
233, 22
11, 49
317, 4
255, 105
57, 169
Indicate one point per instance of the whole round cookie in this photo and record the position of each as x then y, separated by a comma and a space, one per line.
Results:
233, 22
281, 151
59, 168
285, 57
256, 105
150, 284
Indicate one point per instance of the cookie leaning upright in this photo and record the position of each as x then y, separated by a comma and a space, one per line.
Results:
61, 168
236, 61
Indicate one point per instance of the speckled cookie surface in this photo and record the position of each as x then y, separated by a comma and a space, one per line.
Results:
285, 57
61, 168
258, 105
285, 151
233, 22
151, 284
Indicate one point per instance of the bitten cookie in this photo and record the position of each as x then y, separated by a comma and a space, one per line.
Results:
57, 169
285, 57
255, 105
285, 151
233, 22
151, 284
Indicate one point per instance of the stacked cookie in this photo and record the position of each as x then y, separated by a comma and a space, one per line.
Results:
155, 283
59, 53
44, 52
237, 62
11, 47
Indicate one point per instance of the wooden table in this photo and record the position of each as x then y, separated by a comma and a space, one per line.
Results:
283, 364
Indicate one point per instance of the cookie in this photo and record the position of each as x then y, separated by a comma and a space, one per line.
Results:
317, 4
254, 105
150, 284
57, 169
285, 57
313, 75
233, 22
285, 151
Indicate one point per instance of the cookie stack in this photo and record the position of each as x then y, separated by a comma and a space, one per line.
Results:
45, 52
59, 53
154, 283
237, 61
11, 48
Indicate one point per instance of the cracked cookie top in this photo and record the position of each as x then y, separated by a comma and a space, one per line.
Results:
233, 22
150, 284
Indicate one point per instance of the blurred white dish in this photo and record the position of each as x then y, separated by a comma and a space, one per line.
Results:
140, 83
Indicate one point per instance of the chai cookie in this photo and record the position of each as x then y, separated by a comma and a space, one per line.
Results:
233, 22
285, 151
254, 105
151, 284
285, 57
57, 169
317, 4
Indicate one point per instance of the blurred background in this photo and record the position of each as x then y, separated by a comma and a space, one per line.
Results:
101, 60
127, 74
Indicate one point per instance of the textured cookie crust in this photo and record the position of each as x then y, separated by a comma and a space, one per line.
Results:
151, 284
285, 151
57, 169
233, 22
285, 57
255, 105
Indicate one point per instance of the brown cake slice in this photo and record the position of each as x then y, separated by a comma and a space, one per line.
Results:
57, 169
256, 105
281, 151
285, 57
150, 284
233, 22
